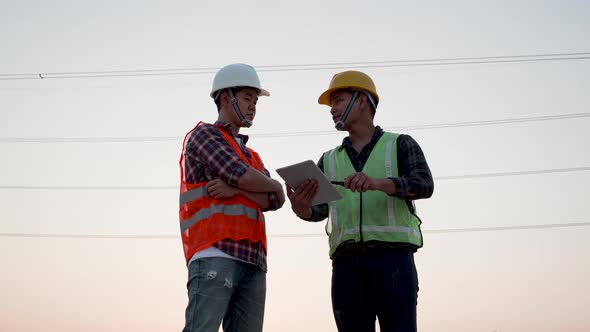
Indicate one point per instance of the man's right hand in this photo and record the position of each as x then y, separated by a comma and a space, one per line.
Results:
301, 197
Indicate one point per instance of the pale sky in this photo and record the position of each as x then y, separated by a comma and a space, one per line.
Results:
56, 133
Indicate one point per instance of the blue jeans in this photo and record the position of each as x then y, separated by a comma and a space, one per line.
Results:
370, 285
223, 289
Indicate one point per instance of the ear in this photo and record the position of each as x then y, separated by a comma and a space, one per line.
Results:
224, 98
362, 98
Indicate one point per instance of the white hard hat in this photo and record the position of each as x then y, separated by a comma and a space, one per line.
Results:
237, 75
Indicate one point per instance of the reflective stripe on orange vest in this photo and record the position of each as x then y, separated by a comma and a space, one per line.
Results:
205, 219
205, 212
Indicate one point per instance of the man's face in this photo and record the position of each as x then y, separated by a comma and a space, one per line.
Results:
340, 100
247, 99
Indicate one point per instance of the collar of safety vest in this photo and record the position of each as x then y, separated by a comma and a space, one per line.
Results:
346, 142
227, 127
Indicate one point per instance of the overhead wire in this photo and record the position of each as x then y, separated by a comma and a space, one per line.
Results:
289, 134
438, 178
298, 235
307, 67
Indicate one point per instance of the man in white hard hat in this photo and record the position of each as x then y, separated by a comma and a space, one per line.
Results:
374, 229
225, 189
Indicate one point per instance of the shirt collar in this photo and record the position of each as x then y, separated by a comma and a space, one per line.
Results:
346, 142
227, 127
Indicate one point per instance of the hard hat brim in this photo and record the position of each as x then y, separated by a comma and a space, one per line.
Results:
324, 98
261, 92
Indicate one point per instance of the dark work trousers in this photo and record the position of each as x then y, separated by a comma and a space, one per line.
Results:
375, 284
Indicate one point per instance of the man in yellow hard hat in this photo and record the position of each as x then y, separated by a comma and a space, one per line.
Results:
373, 230
224, 190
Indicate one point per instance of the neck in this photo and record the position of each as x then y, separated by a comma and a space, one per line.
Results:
361, 135
235, 128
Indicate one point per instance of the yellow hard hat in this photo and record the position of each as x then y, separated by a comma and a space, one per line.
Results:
349, 80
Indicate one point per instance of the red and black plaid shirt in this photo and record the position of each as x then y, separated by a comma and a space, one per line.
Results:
208, 156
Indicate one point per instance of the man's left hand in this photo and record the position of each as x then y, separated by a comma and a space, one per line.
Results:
219, 189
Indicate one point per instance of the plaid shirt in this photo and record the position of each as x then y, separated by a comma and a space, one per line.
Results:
208, 156
414, 181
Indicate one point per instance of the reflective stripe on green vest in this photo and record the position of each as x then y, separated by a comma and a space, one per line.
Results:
384, 218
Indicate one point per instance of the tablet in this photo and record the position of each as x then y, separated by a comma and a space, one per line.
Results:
295, 174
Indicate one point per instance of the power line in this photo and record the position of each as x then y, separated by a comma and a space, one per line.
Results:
439, 178
531, 172
440, 59
441, 125
506, 228
289, 134
309, 66
465, 229
300, 235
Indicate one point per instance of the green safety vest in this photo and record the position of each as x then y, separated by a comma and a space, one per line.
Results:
384, 218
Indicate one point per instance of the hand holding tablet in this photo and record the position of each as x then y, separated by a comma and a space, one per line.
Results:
294, 175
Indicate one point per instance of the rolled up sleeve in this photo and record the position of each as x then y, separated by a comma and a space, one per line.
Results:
415, 179
273, 198
213, 150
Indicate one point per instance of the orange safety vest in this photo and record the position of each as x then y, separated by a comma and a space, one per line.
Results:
205, 219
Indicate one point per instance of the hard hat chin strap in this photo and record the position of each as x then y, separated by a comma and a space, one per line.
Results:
247, 123
340, 122
371, 100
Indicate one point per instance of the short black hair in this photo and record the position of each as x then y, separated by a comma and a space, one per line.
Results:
235, 90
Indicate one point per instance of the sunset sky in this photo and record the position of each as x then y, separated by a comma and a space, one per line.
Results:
95, 97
